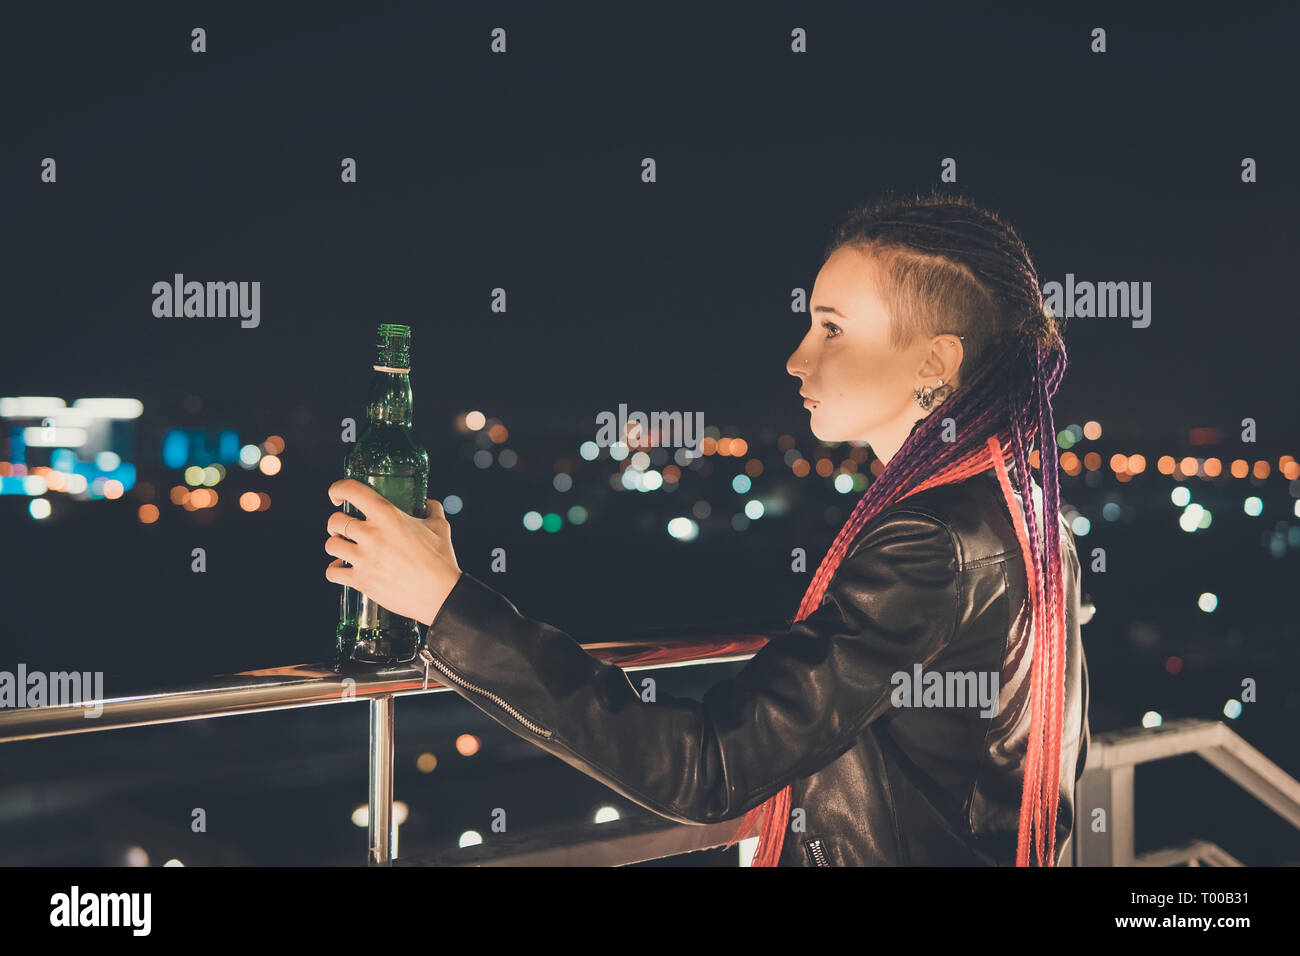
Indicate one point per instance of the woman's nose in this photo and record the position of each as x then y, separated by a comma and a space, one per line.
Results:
797, 366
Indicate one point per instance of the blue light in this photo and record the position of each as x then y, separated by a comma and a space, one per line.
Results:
740, 484
228, 447
175, 448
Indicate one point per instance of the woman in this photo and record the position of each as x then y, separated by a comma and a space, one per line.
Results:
930, 341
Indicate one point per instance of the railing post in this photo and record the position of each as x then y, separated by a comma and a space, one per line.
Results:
381, 781
1111, 790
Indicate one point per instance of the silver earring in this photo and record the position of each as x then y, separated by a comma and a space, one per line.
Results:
927, 396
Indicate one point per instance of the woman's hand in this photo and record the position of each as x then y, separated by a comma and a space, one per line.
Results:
403, 563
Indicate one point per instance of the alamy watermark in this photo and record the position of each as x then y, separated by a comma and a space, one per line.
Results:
657, 429
919, 688
210, 300
39, 689
1102, 300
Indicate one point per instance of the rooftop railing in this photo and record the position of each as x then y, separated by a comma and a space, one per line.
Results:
1106, 784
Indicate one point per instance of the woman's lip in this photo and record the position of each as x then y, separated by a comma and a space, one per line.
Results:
809, 402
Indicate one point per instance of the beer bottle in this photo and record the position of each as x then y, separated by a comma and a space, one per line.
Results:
387, 457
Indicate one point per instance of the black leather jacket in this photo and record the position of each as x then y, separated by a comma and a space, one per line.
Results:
936, 580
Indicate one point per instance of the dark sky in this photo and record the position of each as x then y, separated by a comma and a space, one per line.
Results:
523, 171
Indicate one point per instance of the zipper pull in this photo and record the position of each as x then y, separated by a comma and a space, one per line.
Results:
423, 654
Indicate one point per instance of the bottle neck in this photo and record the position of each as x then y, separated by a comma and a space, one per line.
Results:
390, 397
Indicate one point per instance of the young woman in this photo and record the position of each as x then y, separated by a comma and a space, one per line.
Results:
930, 341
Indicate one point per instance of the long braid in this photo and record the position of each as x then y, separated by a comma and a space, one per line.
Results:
1002, 410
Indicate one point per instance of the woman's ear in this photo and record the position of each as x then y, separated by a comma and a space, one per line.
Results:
942, 359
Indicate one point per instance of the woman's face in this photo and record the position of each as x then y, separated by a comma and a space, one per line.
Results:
859, 388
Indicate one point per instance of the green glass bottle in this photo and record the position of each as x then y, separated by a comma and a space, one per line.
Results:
387, 457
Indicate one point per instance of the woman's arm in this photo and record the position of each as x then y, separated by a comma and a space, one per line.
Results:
798, 704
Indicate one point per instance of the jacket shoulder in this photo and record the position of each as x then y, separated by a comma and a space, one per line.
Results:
972, 512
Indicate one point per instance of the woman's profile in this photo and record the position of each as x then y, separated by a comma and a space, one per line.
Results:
927, 705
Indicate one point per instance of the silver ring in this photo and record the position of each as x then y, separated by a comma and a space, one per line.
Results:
345, 527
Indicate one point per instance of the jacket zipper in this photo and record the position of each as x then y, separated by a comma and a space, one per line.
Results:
425, 655
817, 852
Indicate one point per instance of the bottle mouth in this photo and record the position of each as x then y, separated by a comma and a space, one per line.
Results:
393, 346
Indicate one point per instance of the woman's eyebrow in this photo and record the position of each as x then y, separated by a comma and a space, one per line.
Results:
829, 308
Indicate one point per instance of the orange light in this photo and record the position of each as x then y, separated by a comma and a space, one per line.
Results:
1070, 463
274, 445
1091, 431
849, 466
1261, 469
1092, 461
824, 467
248, 501
1240, 469
672, 474
1174, 665
1033, 459
739, 447
877, 466
467, 745
1118, 463
801, 468
264, 501
1123, 476
1165, 465
1137, 464
147, 514
113, 489
6, 469
753, 467
724, 446
1213, 468
1291, 470
498, 433
1188, 466
709, 445
269, 465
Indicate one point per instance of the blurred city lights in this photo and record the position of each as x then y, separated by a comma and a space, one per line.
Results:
683, 529
1151, 719
1207, 602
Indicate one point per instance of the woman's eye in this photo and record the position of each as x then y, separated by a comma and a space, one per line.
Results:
831, 328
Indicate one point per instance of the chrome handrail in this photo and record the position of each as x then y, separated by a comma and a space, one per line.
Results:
311, 685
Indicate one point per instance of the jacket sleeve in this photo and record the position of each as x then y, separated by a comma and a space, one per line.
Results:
797, 704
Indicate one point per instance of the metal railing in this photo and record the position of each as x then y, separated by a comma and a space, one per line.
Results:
311, 685
1106, 784
1103, 797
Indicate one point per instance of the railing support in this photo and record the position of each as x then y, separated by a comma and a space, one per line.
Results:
381, 781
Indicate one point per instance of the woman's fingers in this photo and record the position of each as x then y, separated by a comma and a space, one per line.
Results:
338, 521
337, 574
361, 497
341, 547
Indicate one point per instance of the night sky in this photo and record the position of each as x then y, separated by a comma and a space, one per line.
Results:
521, 171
